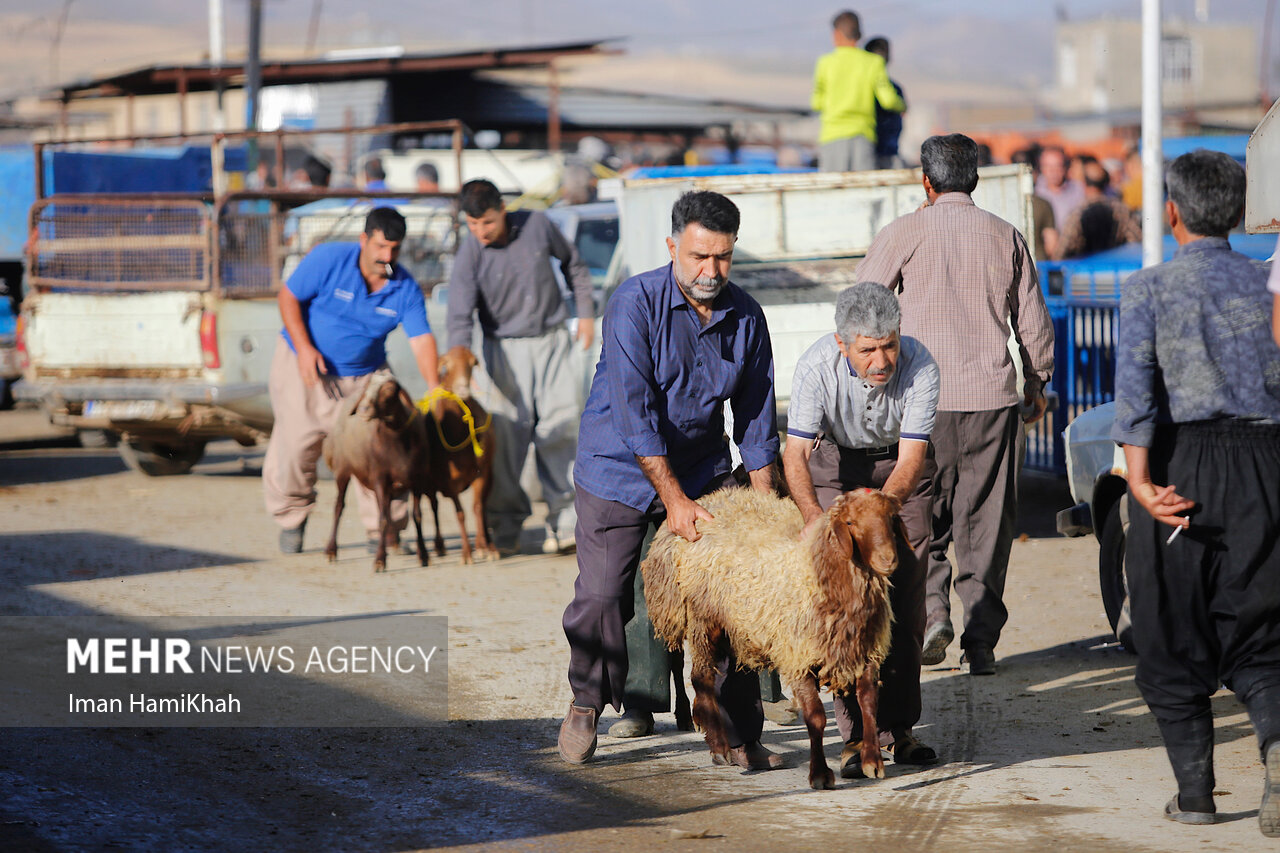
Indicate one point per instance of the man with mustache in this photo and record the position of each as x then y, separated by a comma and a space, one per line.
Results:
862, 409
679, 341
502, 279
337, 308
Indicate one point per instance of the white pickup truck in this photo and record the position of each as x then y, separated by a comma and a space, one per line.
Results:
155, 318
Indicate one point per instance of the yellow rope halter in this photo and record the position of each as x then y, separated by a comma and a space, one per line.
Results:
473, 431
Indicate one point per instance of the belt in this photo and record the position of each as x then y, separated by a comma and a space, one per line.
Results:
874, 452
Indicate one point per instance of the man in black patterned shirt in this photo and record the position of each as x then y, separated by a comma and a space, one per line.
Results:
1198, 405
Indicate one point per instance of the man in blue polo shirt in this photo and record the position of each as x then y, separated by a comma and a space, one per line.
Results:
862, 408
678, 342
338, 308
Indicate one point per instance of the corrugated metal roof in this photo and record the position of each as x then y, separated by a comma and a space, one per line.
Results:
196, 77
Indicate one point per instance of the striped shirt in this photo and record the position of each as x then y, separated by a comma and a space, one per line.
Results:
660, 388
829, 399
1195, 343
966, 276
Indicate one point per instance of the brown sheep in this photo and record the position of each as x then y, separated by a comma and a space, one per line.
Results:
816, 609
381, 440
460, 458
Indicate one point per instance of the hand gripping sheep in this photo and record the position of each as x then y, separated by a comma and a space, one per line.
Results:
816, 609
381, 440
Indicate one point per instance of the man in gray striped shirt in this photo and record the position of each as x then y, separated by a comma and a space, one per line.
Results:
861, 412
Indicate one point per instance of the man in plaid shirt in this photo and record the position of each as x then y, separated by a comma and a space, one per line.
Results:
967, 282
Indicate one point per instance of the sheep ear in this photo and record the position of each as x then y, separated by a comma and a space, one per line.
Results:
837, 539
365, 406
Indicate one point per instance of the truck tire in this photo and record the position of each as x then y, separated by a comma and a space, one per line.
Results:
1111, 577
160, 458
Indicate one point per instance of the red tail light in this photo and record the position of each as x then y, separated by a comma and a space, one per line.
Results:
20, 336
209, 339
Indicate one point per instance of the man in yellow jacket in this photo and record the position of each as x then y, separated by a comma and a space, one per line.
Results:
848, 82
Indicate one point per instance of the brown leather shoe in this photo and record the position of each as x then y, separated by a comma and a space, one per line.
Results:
577, 741
753, 756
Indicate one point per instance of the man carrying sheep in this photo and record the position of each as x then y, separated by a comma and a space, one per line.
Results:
679, 342
862, 409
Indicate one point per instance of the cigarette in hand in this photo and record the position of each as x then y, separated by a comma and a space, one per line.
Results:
1176, 531
388, 269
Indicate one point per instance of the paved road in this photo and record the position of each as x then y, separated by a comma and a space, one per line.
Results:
1055, 752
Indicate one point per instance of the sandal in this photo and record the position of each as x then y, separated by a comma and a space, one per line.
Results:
907, 749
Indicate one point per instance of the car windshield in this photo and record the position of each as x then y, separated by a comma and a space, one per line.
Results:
595, 241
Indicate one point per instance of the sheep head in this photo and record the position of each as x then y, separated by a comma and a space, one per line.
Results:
384, 400
455, 370
861, 526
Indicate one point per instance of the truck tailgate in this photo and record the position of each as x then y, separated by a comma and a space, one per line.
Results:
114, 334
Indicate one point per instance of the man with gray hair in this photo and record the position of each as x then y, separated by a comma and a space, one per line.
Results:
1198, 416
861, 413
968, 281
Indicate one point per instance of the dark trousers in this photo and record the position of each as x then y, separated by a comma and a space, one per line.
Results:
609, 537
648, 686
835, 470
1206, 607
975, 498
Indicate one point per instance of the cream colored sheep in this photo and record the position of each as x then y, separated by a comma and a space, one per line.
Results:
817, 609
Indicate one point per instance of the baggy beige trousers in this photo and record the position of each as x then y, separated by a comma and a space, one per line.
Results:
303, 417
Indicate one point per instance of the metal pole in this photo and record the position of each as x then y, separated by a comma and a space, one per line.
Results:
1152, 138
252, 83
217, 53
253, 66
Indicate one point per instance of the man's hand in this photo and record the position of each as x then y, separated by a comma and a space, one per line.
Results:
310, 365
1036, 405
586, 332
682, 518
810, 524
1163, 503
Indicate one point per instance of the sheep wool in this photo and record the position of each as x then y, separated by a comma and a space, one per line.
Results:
798, 606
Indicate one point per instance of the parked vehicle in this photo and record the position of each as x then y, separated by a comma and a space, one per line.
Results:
153, 315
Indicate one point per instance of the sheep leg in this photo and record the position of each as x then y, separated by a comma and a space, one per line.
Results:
706, 707
462, 527
383, 493
868, 692
480, 489
423, 558
341, 480
435, 518
684, 715
815, 720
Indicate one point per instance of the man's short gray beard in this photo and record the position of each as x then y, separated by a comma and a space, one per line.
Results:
704, 288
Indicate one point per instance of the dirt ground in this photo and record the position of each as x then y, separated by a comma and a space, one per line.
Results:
1056, 752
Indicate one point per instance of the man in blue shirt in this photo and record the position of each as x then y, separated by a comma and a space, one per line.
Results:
338, 308
1198, 416
863, 405
679, 341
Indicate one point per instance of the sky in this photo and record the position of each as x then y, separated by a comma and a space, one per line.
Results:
1007, 42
